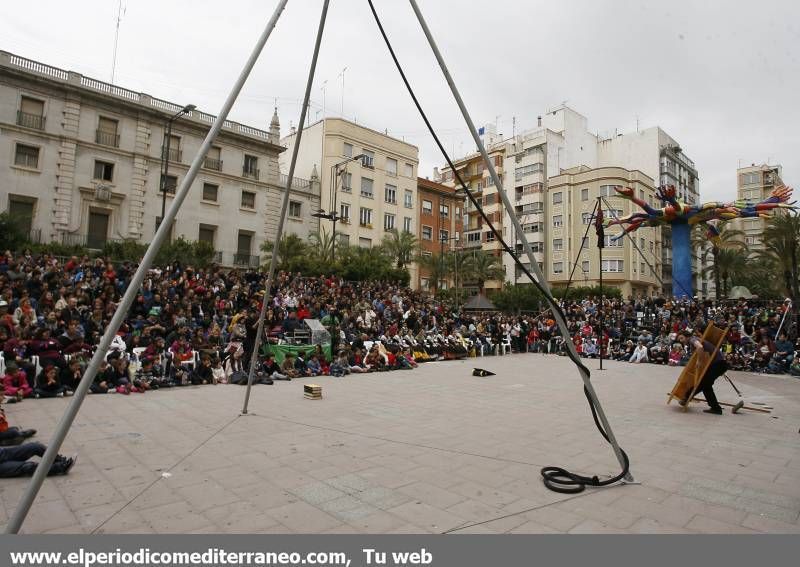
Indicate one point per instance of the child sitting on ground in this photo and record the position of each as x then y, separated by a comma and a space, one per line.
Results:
15, 383
287, 366
314, 366
675, 355
218, 372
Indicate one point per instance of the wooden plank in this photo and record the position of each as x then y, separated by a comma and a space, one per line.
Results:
692, 374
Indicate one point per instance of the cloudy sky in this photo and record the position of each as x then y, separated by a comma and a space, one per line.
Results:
721, 77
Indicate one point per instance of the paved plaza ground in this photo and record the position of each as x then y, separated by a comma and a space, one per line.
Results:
433, 450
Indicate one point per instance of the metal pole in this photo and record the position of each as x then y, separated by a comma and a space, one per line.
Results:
334, 213
165, 161
135, 284
600, 245
562, 324
284, 208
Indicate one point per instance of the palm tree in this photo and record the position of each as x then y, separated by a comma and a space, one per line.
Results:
400, 246
731, 240
781, 240
437, 267
482, 267
728, 264
322, 245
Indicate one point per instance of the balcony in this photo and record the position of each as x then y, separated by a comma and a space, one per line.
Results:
251, 173
106, 138
27, 120
246, 260
211, 163
217, 257
175, 154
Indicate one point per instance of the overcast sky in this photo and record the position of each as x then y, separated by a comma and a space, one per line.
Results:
721, 77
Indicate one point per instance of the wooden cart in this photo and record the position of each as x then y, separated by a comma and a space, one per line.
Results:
689, 381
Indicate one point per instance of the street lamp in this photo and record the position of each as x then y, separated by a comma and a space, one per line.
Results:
333, 215
165, 154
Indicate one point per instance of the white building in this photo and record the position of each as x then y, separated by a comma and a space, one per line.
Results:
659, 156
81, 163
561, 141
376, 187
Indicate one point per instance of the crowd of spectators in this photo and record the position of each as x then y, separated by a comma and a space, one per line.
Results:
199, 326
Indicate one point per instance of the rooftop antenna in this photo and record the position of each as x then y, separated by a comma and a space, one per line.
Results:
324, 84
637, 123
513, 126
120, 12
342, 76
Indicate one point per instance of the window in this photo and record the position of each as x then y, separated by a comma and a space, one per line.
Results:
585, 266
344, 239
558, 267
347, 182
608, 191
369, 159
26, 156
427, 207
750, 240
344, 212
107, 132
347, 150
652, 246
388, 221
558, 220
244, 244
406, 224
390, 194
169, 184
248, 200
213, 159
473, 237
391, 167
365, 242
444, 235
295, 209
586, 218
250, 167
103, 171
210, 192
609, 242
408, 199
458, 212
750, 178
526, 170
585, 242
206, 233
641, 194
584, 194
21, 209
31, 113
427, 233
365, 217
444, 211
612, 266
558, 244
409, 170
557, 197
366, 187
641, 268
490, 237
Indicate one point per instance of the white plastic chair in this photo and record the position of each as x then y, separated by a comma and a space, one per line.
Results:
505, 346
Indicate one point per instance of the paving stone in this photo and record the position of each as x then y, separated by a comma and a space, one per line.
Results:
301, 517
704, 524
430, 518
768, 525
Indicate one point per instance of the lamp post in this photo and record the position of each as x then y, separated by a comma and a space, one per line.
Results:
165, 154
333, 214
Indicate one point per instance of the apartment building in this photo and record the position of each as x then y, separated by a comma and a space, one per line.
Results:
368, 179
755, 183
659, 156
571, 238
440, 225
81, 163
473, 172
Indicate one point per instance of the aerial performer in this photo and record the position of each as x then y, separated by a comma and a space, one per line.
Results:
681, 217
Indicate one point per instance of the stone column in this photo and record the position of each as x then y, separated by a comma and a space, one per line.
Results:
65, 166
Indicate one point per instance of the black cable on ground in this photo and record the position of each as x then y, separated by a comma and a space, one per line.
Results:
554, 478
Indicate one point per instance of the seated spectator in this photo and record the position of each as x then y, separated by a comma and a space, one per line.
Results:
271, 368
676, 355
14, 461
288, 366
48, 384
12, 435
340, 365
203, 374
217, 372
70, 376
313, 365
15, 383
639, 353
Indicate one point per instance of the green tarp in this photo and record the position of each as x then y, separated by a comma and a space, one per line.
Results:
280, 350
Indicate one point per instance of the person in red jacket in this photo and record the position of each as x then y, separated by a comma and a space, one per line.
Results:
15, 383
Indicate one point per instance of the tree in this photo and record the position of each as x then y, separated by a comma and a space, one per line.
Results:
781, 241
400, 246
11, 235
293, 254
482, 267
729, 240
322, 245
436, 266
